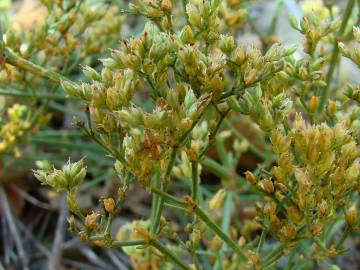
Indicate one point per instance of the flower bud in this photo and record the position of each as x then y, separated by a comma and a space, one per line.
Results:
91, 220
233, 103
351, 216
313, 104
227, 44
218, 199
109, 205
293, 21
250, 76
193, 15
70, 88
250, 177
186, 35
317, 228
216, 243
268, 186
195, 237
239, 55
91, 73
302, 177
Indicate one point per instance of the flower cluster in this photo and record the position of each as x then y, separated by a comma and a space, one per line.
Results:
160, 101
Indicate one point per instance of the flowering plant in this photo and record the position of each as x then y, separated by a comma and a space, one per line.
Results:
167, 95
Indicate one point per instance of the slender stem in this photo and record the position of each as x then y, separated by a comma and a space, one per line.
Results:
165, 184
262, 240
335, 55
184, 3
273, 256
168, 197
15, 60
195, 181
272, 27
216, 168
206, 219
169, 254
128, 243
16, 93
216, 229
225, 225
344, 237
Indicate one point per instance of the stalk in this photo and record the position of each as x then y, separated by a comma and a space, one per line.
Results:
169, 254
164, 187
217, 230
16, 93
206, 219
195, 182
17, 61
335, 55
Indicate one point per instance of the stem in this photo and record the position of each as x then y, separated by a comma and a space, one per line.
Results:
216, 168
207, 220
184, 3
17, 61
169, 197
128, 243
15, 93
344, 237
335, 56
273, 256
262, 240
216, 229
272, 27
164, 187
195, 182
225, 225
169, 254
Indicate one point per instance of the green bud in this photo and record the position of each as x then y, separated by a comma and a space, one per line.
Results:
291, 49
91, 73
109, 63
293, 22
233, 103
227, 44
71, 88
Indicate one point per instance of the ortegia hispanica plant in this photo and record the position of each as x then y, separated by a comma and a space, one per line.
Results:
165, 96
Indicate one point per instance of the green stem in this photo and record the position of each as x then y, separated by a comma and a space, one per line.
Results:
216, 168
217, 230
128, 243
184, 3
16, 93
272, 27
164, 187
17, 61
206, 219
225, 225
167, 197
274, 255
344, 237
169, 254
335, 55
195, 182
262, 240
